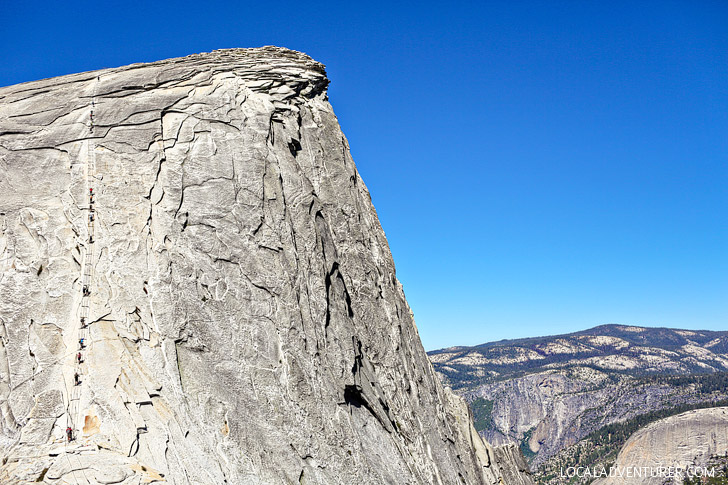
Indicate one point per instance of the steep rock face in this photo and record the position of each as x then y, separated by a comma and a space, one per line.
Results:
549, 411
684, 441
518, 474
242, 321
545, 410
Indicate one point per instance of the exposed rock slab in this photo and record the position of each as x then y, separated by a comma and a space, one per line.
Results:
683, 442
518, 472
246, 324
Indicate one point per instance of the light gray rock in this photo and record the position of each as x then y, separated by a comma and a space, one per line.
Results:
520, 472
246, 324
37, 431
683, 442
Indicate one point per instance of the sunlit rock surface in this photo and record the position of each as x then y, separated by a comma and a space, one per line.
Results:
684, 442
245, 321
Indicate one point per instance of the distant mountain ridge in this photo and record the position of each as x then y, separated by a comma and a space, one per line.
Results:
614, 348
636, 334
548, 393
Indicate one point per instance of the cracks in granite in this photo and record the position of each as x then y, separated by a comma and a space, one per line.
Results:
272, 285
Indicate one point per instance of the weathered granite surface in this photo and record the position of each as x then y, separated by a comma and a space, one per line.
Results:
685, 441
517, 471
246, 324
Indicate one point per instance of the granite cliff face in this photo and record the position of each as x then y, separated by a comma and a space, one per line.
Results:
200, 224
685, 442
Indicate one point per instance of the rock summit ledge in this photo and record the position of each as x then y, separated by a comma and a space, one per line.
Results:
195, 288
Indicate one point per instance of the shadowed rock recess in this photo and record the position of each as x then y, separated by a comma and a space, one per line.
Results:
200, 224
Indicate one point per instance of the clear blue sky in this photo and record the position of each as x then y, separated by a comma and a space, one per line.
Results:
538, 167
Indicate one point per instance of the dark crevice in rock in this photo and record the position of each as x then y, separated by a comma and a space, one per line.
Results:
294, 146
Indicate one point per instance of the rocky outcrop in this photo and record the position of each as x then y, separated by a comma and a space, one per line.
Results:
682, 444
200, 223
519, 474
546, 411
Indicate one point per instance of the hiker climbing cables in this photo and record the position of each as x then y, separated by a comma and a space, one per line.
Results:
74, 398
